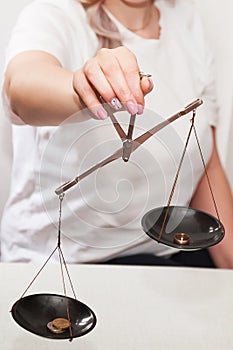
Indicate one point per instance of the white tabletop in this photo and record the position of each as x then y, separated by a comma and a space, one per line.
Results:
145, 308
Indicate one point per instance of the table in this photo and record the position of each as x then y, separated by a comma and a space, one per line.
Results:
162, 308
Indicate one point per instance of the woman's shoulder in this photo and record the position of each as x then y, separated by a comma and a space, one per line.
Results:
65, 7
59, 16
58, 3
187, 8
48, 25
183, 8
182, 13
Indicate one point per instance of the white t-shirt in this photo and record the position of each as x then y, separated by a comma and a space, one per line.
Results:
101, 216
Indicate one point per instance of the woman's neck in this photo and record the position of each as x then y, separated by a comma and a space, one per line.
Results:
141, 17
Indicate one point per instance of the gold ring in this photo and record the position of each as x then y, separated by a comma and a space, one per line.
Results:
141, 74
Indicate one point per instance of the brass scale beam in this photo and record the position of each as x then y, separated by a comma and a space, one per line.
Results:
129, 145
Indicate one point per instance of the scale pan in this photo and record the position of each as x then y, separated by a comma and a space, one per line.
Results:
185, 228
34, 312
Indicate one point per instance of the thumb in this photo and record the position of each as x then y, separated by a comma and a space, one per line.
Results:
146, 85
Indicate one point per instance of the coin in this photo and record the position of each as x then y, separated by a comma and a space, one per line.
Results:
61, 323
54, 329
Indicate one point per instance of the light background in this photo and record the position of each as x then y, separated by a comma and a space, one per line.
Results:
219, 25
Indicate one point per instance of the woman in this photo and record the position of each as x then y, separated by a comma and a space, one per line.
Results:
62, 55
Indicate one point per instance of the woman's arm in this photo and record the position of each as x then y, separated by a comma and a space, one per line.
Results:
39, 90
222, 253
42, 92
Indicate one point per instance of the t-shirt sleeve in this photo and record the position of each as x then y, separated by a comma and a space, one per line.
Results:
41, 26
209, 96
45, 25
207, 71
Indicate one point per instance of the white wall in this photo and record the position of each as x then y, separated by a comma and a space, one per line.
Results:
218, 20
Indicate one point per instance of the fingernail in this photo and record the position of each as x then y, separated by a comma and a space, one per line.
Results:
132, 107
102, 114
140, 109
115, 103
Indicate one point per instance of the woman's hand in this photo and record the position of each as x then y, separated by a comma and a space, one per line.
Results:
114, 75
42, 92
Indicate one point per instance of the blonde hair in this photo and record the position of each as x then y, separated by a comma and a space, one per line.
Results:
105, 29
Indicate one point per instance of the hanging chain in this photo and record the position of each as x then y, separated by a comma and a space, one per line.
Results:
61, 256
38, 273
206, 173
61, 197
62, 266
192, 128
177, 175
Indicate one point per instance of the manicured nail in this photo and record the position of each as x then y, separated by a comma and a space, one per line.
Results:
102, 114
132, 107
140, 109
116, 104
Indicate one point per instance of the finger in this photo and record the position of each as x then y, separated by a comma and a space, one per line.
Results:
87, 95
130, 68
97, 79
112, 67
147, 85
